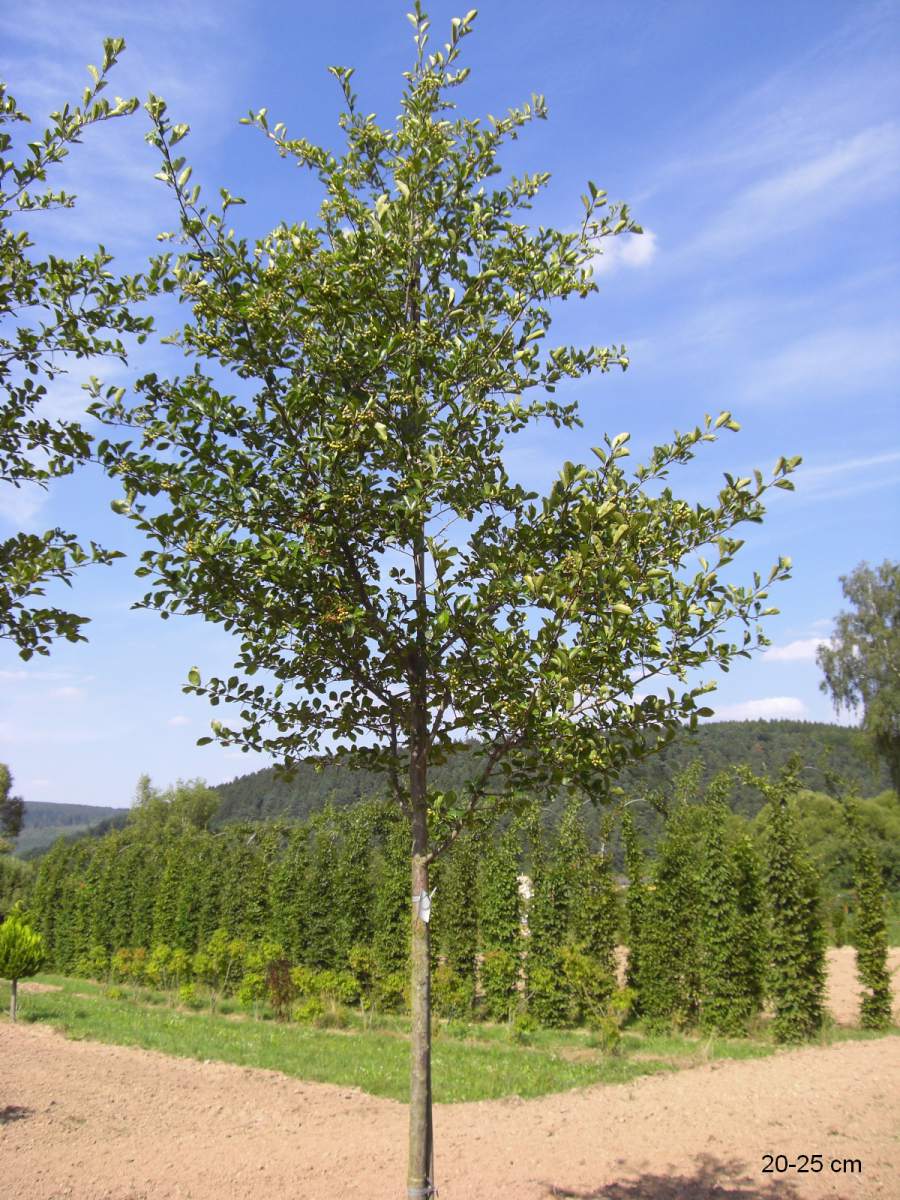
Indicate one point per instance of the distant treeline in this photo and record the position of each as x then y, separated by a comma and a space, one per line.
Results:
764, 746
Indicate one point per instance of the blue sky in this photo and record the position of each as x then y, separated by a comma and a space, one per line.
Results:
759, 145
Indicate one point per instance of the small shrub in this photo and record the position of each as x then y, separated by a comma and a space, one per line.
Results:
22, 954
333, 1017
606, 1026
309, 1010
452, 994
499, 977
338, 987
391, 992
280, 988
363, 965
589, 985
522, 1028
187, 994
548, 999
93, 964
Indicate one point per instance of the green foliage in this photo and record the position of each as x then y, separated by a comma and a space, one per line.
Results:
220, 964
257, 971
547, 915
16, 882
500, 922
870, 926
455, 926
698, 926
12, 808
796, 977
671, 954
52, 310
765, 746
729, 921
635, 903
22, 950
749, 959
392, 904
861, 663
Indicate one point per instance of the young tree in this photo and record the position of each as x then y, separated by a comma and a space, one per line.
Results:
346, 511
797, 954
870, 926
862, 662
52, 310
635, 904
21, 954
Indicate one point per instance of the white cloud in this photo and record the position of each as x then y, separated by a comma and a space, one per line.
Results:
801, 650
632, 250
177, 721
67, 693
772, 708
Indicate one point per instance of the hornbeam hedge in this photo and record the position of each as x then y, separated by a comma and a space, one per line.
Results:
713, 927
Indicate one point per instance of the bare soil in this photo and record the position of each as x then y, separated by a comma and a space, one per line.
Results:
84, 1121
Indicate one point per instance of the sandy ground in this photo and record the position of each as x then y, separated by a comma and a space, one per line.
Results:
89, 1122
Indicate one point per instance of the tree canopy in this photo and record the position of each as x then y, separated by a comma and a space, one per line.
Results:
861, 664
53, 310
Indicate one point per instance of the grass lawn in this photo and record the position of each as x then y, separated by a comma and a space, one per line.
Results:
471, 1061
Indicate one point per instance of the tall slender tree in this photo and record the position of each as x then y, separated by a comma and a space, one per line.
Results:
345, 509
797, 954
861, 662
870, 924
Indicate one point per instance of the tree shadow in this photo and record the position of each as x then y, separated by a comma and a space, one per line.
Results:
712, 1179
14, 1112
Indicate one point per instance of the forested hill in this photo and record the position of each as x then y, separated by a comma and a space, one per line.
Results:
45, 821
764, 745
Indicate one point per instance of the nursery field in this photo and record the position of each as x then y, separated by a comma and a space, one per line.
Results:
123, 1122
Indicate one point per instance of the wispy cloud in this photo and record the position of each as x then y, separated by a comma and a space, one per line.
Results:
832, 363
771, 708
848, 477
834, 181
178, 721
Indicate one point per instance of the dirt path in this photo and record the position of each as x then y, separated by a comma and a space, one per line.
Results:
90, 1122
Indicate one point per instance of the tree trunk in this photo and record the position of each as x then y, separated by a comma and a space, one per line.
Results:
13, 998
419, 1177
